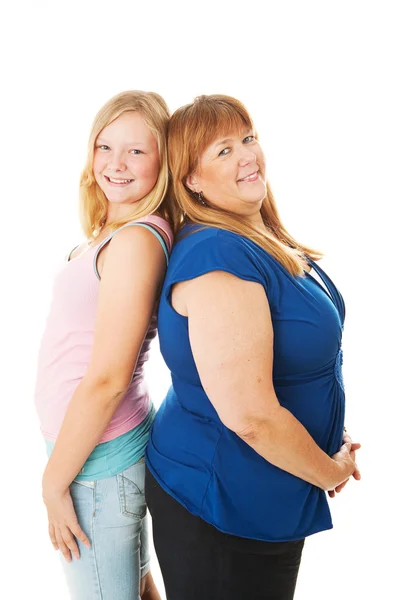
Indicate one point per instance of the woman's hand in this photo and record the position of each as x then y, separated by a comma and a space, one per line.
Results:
63, 523
352, 448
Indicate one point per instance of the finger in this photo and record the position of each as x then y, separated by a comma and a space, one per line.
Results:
52, 536
347, 438
357, 474
346, 447
353, 458
65, 551
76, 529
355, 446
70, 541
339, 488
331, 493
80, 534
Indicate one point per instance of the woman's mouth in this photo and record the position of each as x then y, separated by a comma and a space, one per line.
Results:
250, 178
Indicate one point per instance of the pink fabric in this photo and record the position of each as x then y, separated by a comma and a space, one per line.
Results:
67, 343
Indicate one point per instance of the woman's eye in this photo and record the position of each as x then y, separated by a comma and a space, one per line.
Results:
103, 147
248, 139
224, 152
134, 151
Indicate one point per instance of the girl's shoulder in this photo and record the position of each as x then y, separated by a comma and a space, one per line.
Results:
161, 225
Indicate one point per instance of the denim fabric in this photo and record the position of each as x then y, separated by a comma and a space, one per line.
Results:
112, 512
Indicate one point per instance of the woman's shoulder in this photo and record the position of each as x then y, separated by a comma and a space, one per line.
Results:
193, 234
214, 239
200, 249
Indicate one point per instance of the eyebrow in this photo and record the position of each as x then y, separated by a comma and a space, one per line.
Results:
226, 140
105, 141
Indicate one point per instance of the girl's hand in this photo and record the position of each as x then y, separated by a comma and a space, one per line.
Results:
63, 522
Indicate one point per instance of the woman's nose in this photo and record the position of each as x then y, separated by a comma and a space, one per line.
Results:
246, 157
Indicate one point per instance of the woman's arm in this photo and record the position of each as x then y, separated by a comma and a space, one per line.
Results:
231, 338
132, 274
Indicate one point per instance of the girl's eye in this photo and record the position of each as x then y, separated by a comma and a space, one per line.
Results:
248, 139
104, 147
224, 152
134, 151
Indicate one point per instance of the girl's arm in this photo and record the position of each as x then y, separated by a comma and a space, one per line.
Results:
132, 274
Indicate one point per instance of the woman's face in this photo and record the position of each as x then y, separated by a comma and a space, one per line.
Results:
231, 174
126, 160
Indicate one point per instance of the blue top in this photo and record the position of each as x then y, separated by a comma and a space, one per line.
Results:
199, 461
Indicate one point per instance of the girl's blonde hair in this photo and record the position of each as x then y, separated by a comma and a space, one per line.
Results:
191, 129
93, 202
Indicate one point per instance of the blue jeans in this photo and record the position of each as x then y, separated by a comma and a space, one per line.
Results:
112, 514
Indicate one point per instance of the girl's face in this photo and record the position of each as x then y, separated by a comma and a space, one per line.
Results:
126, 160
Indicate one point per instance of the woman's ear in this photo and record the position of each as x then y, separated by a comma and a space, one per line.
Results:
192, 184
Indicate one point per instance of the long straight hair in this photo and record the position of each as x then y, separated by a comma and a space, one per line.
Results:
192, 128
93, 202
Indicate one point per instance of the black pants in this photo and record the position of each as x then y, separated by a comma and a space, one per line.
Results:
198, 562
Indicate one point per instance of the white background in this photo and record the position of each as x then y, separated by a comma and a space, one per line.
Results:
321, 81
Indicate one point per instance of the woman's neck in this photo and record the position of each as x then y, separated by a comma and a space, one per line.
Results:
256, 220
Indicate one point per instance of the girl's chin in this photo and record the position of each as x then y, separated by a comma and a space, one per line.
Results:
121, 200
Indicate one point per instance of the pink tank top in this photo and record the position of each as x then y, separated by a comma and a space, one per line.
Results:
67, 342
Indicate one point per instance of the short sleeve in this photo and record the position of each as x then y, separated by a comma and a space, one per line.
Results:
217, 250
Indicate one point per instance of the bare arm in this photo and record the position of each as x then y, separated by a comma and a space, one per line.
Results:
133, 271
231, 338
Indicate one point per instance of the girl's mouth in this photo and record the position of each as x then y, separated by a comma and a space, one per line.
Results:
119, 182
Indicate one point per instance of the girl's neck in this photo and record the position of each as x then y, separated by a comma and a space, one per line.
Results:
117, 212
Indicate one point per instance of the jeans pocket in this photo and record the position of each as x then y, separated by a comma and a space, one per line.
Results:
131, 491
89, 484
83, 499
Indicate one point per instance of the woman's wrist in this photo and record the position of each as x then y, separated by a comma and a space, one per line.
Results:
341, 469
333, 477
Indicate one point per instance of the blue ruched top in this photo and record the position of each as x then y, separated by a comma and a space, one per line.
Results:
203, 464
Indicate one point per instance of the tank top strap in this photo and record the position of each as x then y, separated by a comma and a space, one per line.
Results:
68, 256
131, 224
334, 293
162, 224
